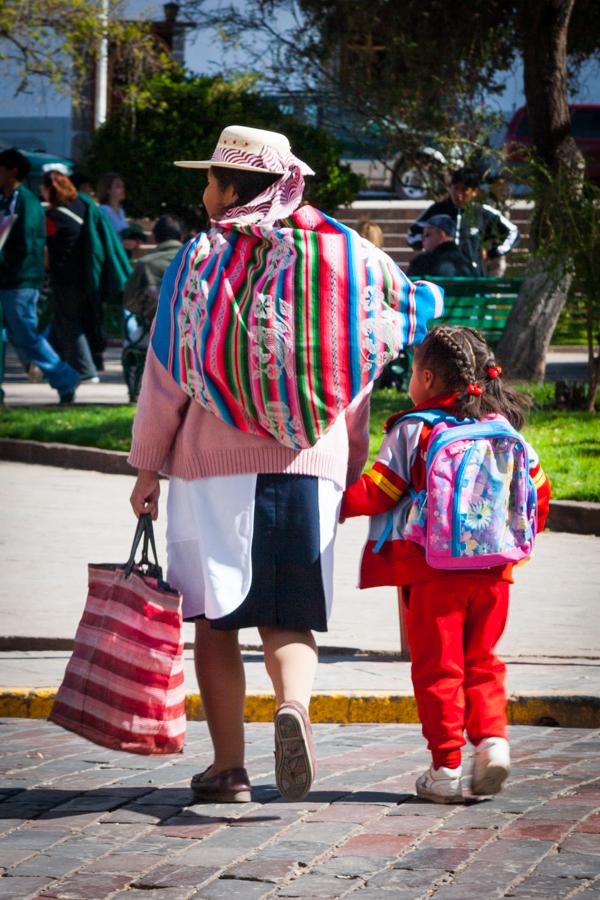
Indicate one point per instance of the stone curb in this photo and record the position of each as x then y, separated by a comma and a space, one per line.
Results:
65, 456
574, 516
564, 710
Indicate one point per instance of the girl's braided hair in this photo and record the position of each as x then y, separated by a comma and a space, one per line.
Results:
464, 362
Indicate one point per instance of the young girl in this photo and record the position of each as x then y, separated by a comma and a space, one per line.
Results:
454, 618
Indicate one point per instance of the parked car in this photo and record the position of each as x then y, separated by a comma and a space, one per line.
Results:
585, 128
43, 162
417, 179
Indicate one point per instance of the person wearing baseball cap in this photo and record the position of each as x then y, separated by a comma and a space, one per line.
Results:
482, 232
441, 256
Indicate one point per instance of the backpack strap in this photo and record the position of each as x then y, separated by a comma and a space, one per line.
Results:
435, 416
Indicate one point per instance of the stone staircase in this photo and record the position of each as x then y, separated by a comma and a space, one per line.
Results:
395, 217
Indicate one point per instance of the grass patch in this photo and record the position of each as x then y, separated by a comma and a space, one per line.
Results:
568, 442
107, 427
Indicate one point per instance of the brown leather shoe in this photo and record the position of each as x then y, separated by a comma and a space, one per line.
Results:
295, 760
230, 786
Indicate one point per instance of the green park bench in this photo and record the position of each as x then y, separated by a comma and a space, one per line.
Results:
481, 303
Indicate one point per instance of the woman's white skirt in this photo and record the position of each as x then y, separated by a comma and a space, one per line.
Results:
248, 550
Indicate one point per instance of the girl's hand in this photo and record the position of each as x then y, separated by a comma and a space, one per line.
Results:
145, 494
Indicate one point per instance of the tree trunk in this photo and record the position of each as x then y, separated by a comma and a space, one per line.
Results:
559, 167
524, 344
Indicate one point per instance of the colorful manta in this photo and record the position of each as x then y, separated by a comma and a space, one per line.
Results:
275, 329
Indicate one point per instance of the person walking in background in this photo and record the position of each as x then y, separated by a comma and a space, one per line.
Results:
65, 239
441, 256
455, 616
480, 231
236, 370
23, 237
140, 299
143, 287
107, 269
110, 194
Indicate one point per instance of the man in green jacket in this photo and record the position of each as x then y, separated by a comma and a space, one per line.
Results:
22, 242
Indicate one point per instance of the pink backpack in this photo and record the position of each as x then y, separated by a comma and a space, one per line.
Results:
479, 508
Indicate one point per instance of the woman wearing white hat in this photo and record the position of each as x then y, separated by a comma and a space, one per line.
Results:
269, 332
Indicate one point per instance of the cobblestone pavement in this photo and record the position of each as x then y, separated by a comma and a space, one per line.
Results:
79, 822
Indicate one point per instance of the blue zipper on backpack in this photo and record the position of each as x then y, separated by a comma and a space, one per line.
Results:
456, 502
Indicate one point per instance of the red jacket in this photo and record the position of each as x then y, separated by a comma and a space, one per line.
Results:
400, 562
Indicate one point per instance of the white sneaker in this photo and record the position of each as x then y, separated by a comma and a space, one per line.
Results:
440, 785
491, 765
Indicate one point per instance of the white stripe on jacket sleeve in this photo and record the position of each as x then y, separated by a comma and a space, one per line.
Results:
510, 229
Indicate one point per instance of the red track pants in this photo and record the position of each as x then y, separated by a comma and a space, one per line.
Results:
453, 626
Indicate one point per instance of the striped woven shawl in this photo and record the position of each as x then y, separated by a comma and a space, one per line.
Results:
276, 329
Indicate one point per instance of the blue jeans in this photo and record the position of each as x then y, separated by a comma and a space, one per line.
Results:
19, 306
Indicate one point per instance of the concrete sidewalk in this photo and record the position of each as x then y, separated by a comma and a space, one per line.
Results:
562, 363
57, 520
79, 822
19, 391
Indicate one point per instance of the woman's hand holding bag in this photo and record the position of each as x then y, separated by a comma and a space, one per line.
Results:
145, 494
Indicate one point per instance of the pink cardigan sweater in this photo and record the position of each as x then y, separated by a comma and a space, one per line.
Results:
175, 435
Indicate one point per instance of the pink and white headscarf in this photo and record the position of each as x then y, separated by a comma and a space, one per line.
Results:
280, 199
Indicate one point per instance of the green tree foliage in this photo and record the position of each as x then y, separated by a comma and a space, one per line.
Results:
181, 117
424, 67
416, 68
57, 40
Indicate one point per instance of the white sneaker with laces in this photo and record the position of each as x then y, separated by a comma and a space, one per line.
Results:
440, 785
491, 765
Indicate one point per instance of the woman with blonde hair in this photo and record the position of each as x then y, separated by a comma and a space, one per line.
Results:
373, 232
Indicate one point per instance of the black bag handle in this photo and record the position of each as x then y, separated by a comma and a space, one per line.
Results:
144, 530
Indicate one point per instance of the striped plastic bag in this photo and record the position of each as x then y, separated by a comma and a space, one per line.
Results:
123, 687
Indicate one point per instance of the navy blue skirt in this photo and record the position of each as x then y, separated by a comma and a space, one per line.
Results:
291, 582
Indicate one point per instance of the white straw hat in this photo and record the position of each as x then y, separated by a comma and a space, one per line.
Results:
251, 150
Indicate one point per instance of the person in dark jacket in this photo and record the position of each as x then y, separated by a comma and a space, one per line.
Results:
22, 240
65, 216
143, 287
107, 269
480, 230
441, 256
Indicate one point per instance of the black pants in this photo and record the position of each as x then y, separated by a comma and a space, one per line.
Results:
71, 314
93, 326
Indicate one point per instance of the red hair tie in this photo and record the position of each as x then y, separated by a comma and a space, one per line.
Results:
474, 389
494, 371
